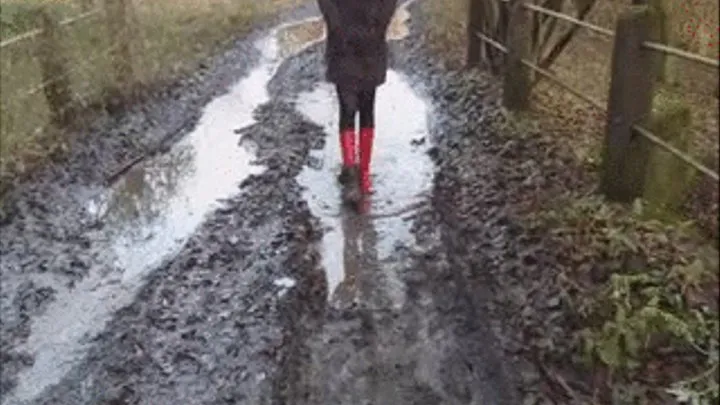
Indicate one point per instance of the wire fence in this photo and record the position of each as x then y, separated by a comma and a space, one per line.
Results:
64, 63
72, 59
34, 33
77, 67
626, 113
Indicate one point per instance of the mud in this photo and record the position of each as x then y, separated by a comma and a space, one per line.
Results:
67, 238
223, 270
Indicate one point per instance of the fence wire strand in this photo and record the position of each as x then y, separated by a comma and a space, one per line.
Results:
577, 93
655, 46
24, 94
675, 151
598, 105
494, 43
570, 19
546, 74
693, 57
38, 31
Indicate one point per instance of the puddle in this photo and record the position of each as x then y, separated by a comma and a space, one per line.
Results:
402, 171
151, 211
402, 177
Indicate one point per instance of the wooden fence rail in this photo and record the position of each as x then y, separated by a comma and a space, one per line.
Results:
629, 106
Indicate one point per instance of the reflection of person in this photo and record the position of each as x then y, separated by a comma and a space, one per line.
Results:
346, 289
356, 56
359, 258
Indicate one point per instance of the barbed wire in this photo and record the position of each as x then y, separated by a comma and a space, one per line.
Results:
38, 31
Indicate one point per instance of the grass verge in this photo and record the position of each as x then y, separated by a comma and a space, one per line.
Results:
640, 293
169, 38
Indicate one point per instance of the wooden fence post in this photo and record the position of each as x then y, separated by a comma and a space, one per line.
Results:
625, 154
498, 59
667, 176
54, 69
659, 32
517, 79
475, 23
119, 31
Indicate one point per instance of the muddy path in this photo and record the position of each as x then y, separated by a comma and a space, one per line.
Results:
223, 270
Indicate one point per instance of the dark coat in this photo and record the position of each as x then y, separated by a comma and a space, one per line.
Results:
356, 52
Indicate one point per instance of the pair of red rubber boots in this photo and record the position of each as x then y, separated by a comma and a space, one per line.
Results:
355, 175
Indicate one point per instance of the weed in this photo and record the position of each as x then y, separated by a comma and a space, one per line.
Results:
655, 317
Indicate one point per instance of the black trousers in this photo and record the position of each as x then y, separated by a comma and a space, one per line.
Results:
354, 102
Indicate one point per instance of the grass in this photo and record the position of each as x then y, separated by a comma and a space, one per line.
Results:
169, 37
651, 325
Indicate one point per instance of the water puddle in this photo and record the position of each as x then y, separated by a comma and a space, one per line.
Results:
402, 175
355, 245
151, 211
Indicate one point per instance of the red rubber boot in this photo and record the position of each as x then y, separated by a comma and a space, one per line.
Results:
367, 135
349, 155
350, 173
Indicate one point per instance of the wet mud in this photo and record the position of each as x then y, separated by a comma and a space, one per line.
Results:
224, 270
74, 250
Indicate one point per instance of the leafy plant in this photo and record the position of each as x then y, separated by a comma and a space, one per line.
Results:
642, 289
639, 311
650, 304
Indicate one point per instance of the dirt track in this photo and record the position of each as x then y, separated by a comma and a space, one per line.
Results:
223, 271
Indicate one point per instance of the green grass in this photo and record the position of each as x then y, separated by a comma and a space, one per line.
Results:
168, 38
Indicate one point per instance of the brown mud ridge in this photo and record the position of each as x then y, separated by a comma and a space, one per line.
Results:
223, 271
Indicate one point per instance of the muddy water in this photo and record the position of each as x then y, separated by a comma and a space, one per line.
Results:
151, 211
402, 174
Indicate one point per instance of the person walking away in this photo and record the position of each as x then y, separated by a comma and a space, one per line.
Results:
356, 58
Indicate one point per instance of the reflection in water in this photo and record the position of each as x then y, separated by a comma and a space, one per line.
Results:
145, 192
402, 174
148, 214
360, 260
